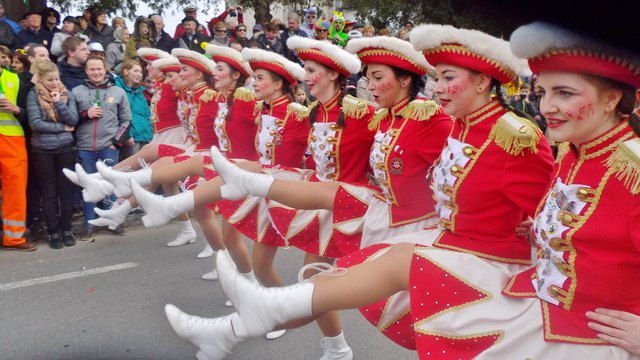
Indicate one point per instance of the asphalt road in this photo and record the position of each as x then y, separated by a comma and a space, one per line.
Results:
104, 299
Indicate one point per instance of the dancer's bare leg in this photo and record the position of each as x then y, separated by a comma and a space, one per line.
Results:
237, 249
173, 172
263, 256
210, 228
304, 195
149, 153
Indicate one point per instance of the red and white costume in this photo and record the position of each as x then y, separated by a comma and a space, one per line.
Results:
280, 143
167, 125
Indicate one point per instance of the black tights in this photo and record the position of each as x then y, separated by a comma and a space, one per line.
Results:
55, 187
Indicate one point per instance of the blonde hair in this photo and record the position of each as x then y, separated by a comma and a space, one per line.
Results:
41, 68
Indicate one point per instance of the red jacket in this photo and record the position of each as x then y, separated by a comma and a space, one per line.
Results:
236, 133
588, 236
341, 153
164, 108
494, 171
409, 140
284, 130
201, 110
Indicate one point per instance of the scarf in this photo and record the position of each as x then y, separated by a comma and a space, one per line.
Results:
46, 104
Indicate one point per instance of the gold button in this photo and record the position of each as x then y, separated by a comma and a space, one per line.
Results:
269, 144
562, 267
330, 139
567, 219
272, 132
583, 194
393, 132
454, 169
467, 150
384, 147
555, 244
279, 122
522, 129
554, 291
334, 126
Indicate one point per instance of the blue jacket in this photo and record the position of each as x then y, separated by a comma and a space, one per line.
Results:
48, 134
141, 128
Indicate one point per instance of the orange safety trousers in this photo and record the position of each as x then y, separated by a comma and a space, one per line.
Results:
13, 171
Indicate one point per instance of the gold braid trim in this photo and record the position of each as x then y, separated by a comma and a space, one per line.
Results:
243, 94
298, 111
514, 134
208, 95
354, 108
377, 118
420, 110
625, 163
563, 149
257, 109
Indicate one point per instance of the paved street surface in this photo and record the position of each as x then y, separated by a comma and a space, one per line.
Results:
105, 300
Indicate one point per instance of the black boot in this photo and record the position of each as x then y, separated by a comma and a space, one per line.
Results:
68, 239
55, 242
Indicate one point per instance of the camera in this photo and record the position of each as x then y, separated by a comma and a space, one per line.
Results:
233, 13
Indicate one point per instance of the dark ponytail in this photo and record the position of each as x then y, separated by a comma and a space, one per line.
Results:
417, 82
627, 105
239, 82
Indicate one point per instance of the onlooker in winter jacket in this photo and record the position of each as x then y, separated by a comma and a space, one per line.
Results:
98, 29
34, 32
191, 39
104, 115
53, 116
76, 52
141, 131
144, 33
163, 40
70, 27
115, 50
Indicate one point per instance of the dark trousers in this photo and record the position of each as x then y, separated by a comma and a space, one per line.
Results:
55, 187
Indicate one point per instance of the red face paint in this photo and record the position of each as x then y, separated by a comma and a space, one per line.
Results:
454, 90
384, 87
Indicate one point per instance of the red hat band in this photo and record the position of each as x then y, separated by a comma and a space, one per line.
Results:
171, 68
461, 56
391, 58
322, 58
194, 63
232, 62
582, 62
274, 67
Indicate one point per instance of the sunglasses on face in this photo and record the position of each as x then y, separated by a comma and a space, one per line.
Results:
242, 30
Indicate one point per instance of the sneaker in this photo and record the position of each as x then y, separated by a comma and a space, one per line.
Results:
55, 242
68, 239
24, 247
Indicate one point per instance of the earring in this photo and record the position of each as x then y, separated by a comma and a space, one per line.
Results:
480, 89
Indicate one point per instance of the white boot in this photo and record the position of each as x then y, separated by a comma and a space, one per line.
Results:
160, 210
73, 177
211, 275
187, 235
261, 309
95, 189
122, 179
113, 217
237, 182
215, 337
272, 335
207, 252
336, 348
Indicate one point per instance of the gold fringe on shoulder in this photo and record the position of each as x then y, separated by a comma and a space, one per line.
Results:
243, 94
563, 149
420, 110
377, 118
354, 107
298, 111
625, 162
515, 134
208, 95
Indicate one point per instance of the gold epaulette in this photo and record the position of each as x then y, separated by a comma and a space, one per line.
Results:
625, 163
563, 149
354, 108
420, 110
515, 134
208, 95
377, 117
257, 109
243, 94
298, 111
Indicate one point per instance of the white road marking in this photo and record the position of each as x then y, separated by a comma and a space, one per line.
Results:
65, 276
